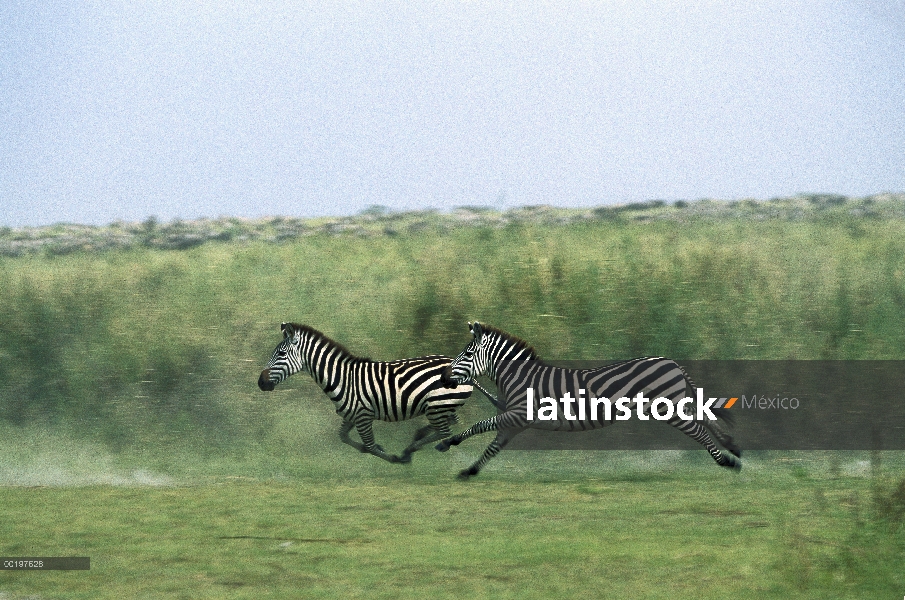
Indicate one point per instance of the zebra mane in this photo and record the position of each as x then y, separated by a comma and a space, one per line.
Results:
308, 330
517, 342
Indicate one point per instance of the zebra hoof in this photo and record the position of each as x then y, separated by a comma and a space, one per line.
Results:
467, 474
735, 465
442, 446
405, 459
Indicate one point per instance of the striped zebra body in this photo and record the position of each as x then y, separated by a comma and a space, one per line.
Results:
514, 367
363, 390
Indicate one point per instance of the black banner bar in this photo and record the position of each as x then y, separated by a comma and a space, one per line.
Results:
45, 563
779, 405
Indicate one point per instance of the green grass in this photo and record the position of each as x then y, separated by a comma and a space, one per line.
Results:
682, 529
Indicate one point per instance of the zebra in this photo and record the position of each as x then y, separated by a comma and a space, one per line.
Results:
364, 390
514, 366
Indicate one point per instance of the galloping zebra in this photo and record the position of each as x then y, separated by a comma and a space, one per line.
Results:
515, 367
364, 390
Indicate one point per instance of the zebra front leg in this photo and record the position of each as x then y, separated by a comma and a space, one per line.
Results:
479, 427
366, 431
344, 436
502, 438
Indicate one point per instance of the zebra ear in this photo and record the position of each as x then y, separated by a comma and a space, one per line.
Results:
476, 331
287, 329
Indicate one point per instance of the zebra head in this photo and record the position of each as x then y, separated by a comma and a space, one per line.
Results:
287, 359
471, 362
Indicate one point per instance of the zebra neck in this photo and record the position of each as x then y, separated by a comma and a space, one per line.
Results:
329, 366
508, 356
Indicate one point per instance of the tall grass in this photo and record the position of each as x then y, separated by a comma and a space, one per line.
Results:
151, 345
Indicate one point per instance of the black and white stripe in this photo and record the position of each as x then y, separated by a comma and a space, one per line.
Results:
515, 367
364, 390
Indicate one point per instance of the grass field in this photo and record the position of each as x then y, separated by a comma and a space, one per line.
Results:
535, 525
132, 430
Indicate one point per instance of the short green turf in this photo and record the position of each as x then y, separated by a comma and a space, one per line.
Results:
681, 529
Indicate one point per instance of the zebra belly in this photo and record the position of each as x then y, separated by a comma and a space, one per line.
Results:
396, 411
454, 401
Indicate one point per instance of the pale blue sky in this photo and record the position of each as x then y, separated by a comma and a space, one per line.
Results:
122, 110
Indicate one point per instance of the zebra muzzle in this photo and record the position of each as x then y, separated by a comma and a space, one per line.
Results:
264, 381
447, 378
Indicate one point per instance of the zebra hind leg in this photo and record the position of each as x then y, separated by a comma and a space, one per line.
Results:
720, 430
379, 452
444, 445
375, 449
344, 436
698, 433
422, 433
724, 438
430, 436
439, 428
369, 446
